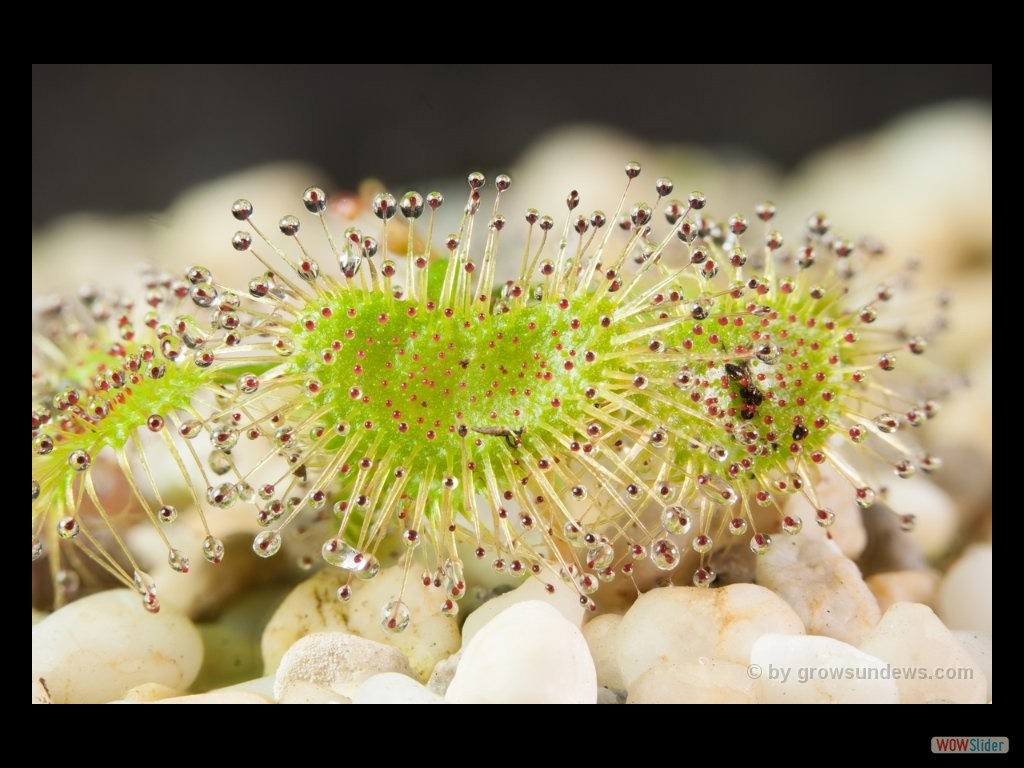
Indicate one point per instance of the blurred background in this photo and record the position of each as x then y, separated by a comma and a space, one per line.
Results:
131, 138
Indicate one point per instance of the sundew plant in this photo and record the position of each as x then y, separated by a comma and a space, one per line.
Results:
644, 385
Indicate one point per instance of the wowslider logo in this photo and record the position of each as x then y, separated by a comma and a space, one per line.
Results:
970, 744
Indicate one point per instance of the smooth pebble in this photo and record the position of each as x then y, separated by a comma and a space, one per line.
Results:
683, 624
932, 662
96, 649
527, 654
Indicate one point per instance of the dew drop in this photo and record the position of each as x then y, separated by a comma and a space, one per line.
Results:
865, 497
702, 544
905, 468
79, 460
792, 524
37, 548
314, 199
266, 543
759, 543
167, 514
768, 352
676, 519
35, 490
907, 522
931, 463
395, 616
177, 561
213, 549
146, 588
67, 528
737, 526
887, 422
664, 554
223, 495
600, 556
449, 608
824, 517
704, 577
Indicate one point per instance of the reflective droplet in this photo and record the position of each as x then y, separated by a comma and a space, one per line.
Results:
223, 495
213, 549
676, 519
411, 205
241, 209
865, 497
600, 556
79, 460
67, 528
737, 526
907, 522
717, 490
167, 514
704, 577
267, 543
887, 422
35, 490
664, 554
314, 199
203, 294
759, 543
146, 588
702, 544
824, 517
395, 616
449, 608
383, 205
178, 561
931, 463
768, 352
37, 548
792, 524
905, 468
717, 453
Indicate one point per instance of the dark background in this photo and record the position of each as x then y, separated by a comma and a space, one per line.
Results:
130, 138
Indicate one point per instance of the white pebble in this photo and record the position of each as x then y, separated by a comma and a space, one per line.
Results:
97, 648
313, 606
224, 696
564, 599
903, 587
528, 654
818, 670
979, 645
336, 661
932, 662
601, 634
708, 681
392, 688
822, 585
430, 636
683, 624
965, 594
301, 692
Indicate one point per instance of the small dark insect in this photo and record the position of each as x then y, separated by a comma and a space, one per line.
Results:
749, 393
512, 435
